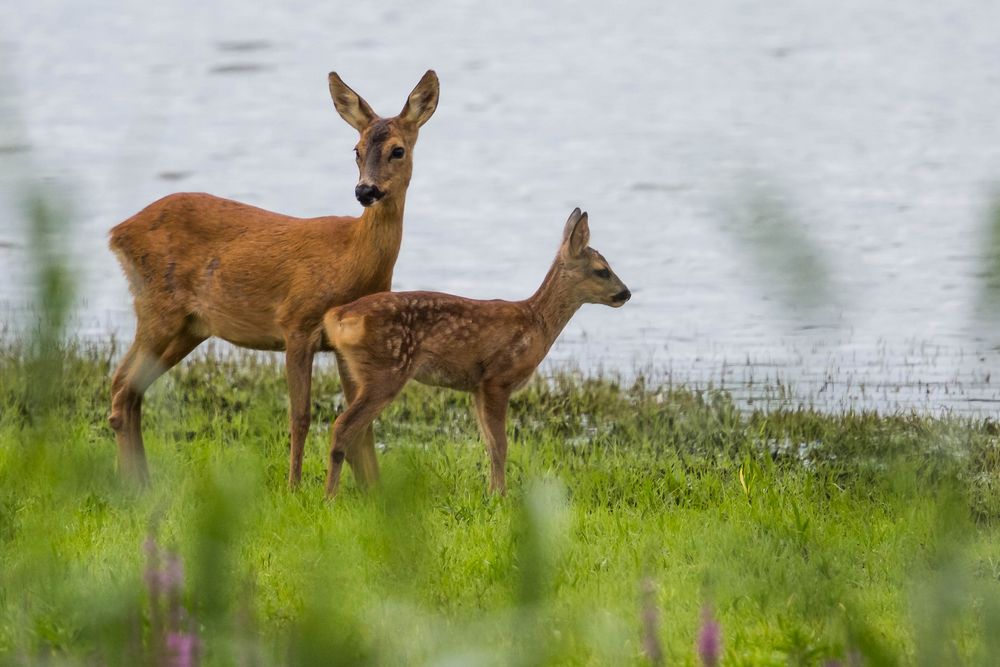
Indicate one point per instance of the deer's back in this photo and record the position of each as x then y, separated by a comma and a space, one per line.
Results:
239, 272
187, 226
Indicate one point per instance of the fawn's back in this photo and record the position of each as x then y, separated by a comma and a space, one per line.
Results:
437, 339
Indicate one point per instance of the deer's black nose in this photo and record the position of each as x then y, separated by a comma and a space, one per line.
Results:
622, 296
368, 194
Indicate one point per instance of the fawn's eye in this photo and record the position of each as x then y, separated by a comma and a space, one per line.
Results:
357, 154
397, 153
602, 273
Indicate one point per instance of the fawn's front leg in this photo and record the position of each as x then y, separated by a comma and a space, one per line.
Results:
491, 412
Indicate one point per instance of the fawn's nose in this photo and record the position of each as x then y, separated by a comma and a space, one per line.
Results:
368, 194
622, 296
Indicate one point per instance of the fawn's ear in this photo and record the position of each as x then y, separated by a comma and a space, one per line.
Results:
576, 234
350, 105
422, 102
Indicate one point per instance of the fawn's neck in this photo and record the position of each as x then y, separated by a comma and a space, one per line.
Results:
553, 304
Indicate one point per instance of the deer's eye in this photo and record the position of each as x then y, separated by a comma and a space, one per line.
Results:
397, 153
357, 154
602, 273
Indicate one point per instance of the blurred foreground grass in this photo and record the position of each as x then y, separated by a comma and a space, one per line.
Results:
809, 537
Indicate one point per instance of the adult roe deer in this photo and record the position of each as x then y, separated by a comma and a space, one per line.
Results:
200, 266
489, 348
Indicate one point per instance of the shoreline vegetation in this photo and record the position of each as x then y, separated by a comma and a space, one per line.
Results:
643, 525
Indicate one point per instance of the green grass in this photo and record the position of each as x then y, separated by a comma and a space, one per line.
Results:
811, 537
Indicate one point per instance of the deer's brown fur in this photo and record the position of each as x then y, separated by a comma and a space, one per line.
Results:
201, 266
489, 348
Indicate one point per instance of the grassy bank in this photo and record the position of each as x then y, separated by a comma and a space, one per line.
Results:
634, 516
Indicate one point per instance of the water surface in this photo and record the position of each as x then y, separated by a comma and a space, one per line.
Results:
872, 125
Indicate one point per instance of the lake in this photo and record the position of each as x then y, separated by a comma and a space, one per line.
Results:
797, 195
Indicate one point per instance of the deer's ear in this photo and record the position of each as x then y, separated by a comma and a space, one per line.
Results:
576, 234
350, 105
422, 102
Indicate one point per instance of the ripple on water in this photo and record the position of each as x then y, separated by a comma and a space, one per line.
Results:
243, 45
238, 68
173, 175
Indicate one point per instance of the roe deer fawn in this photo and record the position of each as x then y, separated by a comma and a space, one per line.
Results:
200, 266
489, 348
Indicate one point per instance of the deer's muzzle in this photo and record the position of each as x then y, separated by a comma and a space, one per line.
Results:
620, 298
368, 194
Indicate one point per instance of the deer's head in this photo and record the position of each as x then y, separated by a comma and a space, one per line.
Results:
384, 151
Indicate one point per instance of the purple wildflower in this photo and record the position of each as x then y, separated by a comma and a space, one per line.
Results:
170, 645
182, 649
709, 638
172, 575
650, 622
172, 580
152, 579
152, 572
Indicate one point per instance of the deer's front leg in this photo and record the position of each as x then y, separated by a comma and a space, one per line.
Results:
491, 412
298, 367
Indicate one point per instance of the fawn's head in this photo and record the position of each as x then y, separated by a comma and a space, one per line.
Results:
584, 270
385, 150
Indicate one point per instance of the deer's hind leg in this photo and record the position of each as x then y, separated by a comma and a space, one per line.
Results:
148, 358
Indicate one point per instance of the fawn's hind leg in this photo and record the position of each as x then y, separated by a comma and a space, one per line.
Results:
350, 426
361, 456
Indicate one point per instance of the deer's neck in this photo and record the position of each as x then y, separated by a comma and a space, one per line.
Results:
382, 220
379, 233
553, 304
